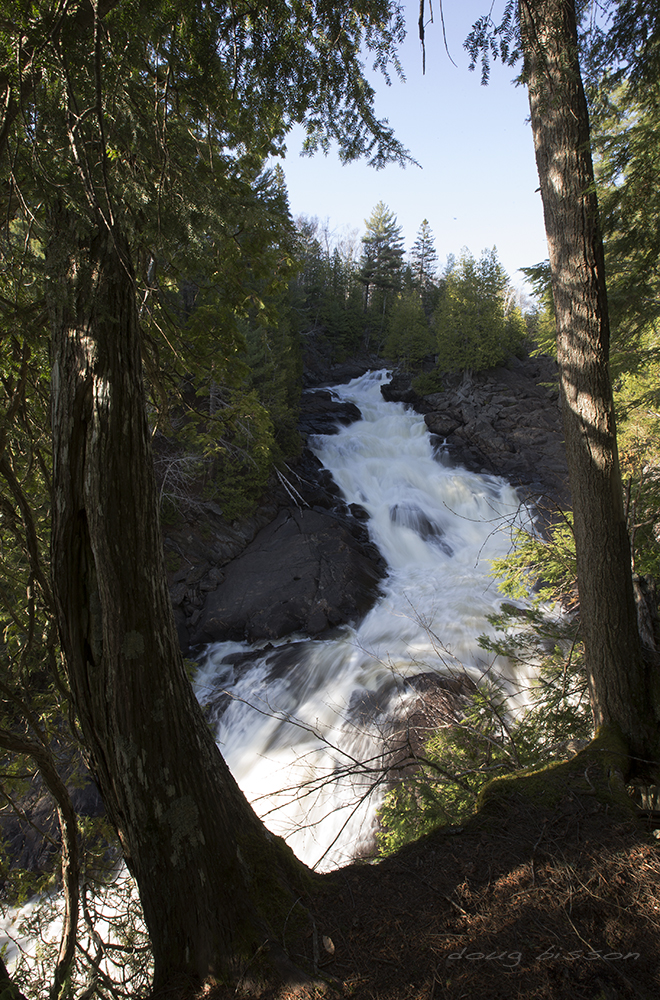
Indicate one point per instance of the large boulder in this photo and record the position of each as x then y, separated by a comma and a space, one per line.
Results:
319, 369
399, 390
322, 413
306, 571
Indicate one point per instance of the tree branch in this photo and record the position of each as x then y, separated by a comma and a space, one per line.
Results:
66, 816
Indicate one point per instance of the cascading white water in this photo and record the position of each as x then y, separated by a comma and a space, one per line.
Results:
294, 731
300, 726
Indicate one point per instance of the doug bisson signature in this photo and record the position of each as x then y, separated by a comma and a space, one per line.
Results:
512, 959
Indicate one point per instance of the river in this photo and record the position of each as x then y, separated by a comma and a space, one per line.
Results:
302, 728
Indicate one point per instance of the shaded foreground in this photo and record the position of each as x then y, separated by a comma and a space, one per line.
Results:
540, 902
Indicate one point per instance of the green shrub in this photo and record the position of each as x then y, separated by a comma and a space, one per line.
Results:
428, 382
457, 760
488, 738
545, 565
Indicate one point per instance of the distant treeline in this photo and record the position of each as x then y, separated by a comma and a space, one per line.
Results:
367, 294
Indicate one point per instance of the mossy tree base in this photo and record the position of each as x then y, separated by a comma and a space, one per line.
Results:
598, 771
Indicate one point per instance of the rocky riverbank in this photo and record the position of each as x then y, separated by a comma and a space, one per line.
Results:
505, 422
303, 561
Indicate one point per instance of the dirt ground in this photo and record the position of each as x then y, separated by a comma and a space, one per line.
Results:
558, 905
528, 903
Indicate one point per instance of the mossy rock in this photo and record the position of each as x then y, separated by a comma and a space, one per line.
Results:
173, 561
596, 772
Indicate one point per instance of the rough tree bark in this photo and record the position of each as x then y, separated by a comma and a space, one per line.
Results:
624, 686
212, 880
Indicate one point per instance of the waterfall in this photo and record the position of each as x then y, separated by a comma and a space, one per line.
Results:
295, 725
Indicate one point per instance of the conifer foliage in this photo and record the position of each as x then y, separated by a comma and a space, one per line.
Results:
477, 323
409, 337
424, 265
326, 295
133, 136
382, 256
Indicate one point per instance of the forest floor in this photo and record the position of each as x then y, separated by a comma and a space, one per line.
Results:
561, 904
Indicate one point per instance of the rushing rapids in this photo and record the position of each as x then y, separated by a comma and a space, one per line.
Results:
302, 725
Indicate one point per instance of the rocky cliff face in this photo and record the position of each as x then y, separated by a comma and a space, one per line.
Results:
306, 571
506, 421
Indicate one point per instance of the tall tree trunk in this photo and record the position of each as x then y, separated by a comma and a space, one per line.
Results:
622, 685
212, 880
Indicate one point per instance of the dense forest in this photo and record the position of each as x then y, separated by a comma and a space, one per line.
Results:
156, 304
371, 296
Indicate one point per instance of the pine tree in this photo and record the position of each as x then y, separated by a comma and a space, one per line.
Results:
424, 263
408, 336
382, 258
476, 326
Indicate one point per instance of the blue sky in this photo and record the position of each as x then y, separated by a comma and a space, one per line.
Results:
478, 182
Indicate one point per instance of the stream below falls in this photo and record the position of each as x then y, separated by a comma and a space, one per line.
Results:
303, 726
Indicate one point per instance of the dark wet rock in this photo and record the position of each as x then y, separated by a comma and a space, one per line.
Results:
201, 549
322, 413
400, 390
442, 424
206, 541
284, 658
279, 659
312, 484
368, 708
428, 682
358, 512
280, 662
247, 657
506, 422
305, 571
440, 700
414, 518
319, 370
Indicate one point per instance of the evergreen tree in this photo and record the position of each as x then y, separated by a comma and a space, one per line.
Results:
477, 326
408, 338
624, 693
625, 129
624, 689
625, 124
308, 287
325, 293
424, 264
382, 259
342, 315
132, 132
